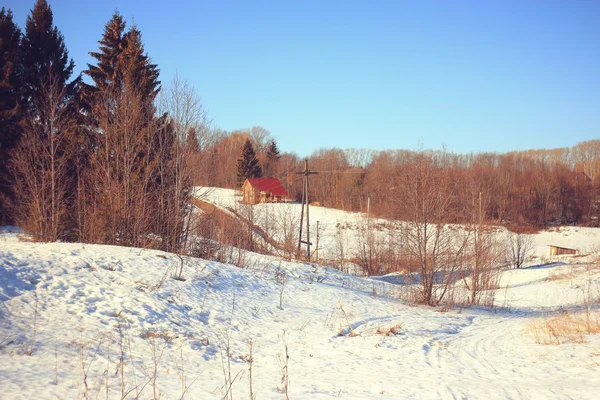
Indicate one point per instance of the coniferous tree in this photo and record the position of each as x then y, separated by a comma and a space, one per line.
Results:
10, 102
44, 53
272, 157
105, 75
40, 163
247, 165
131, 151
96, 100
139, 74
192, 141
122, 67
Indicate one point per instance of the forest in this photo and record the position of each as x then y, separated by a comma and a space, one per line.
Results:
111, 156
522, 189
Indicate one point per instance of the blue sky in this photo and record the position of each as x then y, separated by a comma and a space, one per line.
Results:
472, 75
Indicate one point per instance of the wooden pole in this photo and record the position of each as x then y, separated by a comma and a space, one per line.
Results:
306, 173
301, 215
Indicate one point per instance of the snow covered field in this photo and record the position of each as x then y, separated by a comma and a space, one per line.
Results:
343, 229
92, 321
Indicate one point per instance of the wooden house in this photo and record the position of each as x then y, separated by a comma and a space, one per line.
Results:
558, 251
263, 190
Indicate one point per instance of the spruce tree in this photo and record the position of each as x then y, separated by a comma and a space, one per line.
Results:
43, 54
122, 67
272, 157
10, 102
132, 146
105, 75
42, 178
247, 165
139, 73
192, 141
10, 71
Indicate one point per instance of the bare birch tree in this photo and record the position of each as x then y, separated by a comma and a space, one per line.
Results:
179, 160
40, 163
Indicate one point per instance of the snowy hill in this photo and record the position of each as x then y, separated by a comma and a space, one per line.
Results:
92, 321
344, 231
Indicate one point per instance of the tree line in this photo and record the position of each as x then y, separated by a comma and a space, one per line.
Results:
535, 188
522, 190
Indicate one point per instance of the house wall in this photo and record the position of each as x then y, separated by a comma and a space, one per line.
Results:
249, 194
557, 251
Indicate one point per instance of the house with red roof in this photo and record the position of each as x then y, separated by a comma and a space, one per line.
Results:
263, 190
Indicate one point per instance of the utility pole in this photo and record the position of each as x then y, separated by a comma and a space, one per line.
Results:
306, 173
301, 215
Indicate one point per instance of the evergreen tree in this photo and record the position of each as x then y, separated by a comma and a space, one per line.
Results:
105, 75
139, 74
10, 74
95, 99
44, 54
132, 148
247, 165
192, 141
42, 176
10, 104
122, 67
272, 157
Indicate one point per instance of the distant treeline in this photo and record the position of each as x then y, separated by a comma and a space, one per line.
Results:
521, 189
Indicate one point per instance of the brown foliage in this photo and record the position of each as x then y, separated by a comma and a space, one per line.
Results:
522, 190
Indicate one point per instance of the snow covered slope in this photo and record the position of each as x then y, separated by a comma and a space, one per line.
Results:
341, 230
91, 321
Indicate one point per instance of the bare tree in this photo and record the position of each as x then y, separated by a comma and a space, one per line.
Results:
426, 198
485, 248
520, 247
484, 255
261, 138
587, 155
122, 167
286, 222
185, 115
40, 163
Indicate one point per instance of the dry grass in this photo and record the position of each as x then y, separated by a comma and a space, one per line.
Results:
445, 307
559, 276
593, 267
565, 327
392, 331
164, 335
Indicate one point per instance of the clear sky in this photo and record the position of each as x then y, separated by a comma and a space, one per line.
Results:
487, 75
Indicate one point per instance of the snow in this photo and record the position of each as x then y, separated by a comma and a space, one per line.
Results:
75, 306
340, 228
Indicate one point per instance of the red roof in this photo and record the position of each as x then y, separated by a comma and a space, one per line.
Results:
268, 185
